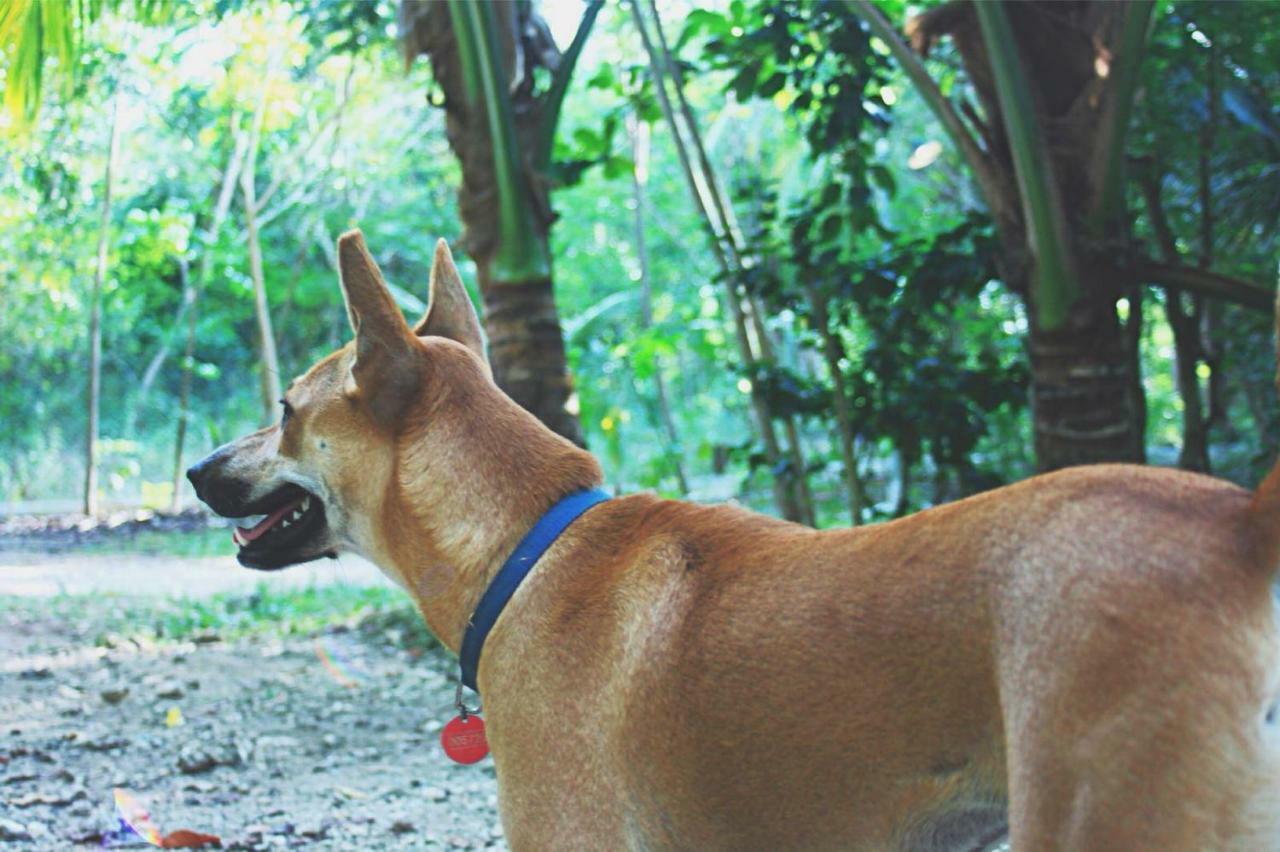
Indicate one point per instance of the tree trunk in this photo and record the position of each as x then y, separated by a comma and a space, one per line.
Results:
1186, 339
785, 492
797, 477
1050, 167
1133, 329
639, 176
1081, 390
526, 348
184, 402
268, 361
221, 207
152, 372
1194, 454
485, 58
90, 504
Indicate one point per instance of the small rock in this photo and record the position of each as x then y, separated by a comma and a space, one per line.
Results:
36, 673
194, 759
11, 830
115, 696
402, 826
19, 778
436, 794
105, 743
48, 799
171, 693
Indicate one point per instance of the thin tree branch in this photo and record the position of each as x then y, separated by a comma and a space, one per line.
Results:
554, 98
704, 162
1206, 282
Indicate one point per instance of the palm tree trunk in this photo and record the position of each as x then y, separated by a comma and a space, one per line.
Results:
90, 504
484, 57
526, 347
1081, 390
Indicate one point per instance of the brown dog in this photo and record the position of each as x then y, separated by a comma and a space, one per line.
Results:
1093, 653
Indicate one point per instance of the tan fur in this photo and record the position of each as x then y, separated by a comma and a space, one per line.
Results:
1096, 648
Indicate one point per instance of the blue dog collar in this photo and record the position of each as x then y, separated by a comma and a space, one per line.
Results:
514, 570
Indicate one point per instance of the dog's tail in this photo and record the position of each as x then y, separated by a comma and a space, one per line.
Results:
1264, 508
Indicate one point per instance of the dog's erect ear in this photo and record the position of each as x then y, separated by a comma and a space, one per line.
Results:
450, 312
385, 372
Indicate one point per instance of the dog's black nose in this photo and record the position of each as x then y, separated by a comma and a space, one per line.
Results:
210, 486
197, 471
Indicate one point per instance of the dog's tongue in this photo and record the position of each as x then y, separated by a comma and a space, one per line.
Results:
259, 529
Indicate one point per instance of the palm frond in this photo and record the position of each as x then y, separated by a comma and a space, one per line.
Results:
36, 33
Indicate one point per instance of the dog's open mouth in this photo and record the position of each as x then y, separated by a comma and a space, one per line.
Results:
287, 527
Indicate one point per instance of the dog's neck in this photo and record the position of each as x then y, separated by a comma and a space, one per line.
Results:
475, 473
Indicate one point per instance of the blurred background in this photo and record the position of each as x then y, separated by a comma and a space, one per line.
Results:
857, 242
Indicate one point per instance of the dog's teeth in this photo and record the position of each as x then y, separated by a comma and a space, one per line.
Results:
297, 513
306, 504
285, 522
238, 539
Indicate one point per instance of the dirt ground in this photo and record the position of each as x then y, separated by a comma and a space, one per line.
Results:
325, 742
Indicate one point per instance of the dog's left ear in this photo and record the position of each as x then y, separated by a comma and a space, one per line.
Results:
386, 371
450, 312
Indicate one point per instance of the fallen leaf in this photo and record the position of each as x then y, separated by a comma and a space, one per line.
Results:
186, 839
349, 793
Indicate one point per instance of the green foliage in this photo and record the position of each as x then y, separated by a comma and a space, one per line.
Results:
802, 114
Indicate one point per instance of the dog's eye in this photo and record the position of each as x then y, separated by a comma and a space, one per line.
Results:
286, 412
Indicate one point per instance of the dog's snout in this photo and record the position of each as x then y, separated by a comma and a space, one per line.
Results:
220, 492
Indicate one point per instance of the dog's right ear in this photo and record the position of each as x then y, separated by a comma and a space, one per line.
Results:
450, 312
386, 371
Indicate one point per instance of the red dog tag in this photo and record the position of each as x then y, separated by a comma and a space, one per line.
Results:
463, 739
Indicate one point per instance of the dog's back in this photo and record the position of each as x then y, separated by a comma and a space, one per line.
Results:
1093, 647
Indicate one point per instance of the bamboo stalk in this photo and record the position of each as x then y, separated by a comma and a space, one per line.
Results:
786, 502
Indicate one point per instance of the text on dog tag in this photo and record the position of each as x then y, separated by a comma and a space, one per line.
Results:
463, 739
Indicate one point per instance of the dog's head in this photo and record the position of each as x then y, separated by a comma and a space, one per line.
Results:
313, 484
